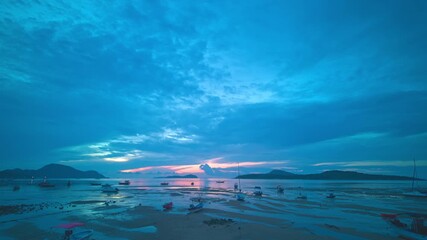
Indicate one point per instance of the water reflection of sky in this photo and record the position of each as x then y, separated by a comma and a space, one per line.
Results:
368, 196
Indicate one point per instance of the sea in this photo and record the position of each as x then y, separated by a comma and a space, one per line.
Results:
358, 204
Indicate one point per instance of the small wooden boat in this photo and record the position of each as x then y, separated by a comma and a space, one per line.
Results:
107, 188
83, 235
46, 185
95, 184
331, 195
164, 183
240, 196
407, 225
258, 191
168, 206
301, 197
195, 208
280, 189
16, 188
415, 194
220, 181
126, 182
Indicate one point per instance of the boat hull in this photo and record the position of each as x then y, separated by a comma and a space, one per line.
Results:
84, 235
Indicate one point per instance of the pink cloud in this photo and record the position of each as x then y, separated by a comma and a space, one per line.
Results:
195, 168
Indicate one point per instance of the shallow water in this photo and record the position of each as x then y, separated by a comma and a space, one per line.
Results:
357, 205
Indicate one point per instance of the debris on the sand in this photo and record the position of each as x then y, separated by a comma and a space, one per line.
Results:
331, 226
25, 208
218, 221
87, 202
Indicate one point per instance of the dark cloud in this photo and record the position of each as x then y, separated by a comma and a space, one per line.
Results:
205, 80
284, 125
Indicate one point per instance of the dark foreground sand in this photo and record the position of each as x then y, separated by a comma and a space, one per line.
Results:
115, 222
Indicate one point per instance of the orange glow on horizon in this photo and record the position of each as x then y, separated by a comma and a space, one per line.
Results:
195, 168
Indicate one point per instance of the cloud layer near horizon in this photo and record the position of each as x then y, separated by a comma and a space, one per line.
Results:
134, 84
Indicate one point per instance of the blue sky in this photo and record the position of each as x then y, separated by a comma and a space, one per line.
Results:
165, 86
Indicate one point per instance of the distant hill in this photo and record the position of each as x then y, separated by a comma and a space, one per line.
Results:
50, 171
328, 175
185, 176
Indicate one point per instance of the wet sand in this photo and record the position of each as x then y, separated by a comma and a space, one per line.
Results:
137, 214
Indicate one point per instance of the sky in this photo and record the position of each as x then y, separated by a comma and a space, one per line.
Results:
149, 88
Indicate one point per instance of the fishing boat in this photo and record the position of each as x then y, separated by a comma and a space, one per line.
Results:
414, 192
220, 181
31, 181
107, 188
46, 184
301, 197
168, 206
280, 189
258, 191
331, 195
195, 208
240, 196
126, 182
164, 184
69, 235
407, 225
83, 235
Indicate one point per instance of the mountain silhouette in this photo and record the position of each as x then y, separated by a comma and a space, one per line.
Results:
327, 175
50, 171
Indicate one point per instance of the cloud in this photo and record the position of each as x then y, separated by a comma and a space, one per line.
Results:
207, 169
125, 85
211, 168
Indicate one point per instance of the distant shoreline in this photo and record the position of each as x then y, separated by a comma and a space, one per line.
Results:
327, 175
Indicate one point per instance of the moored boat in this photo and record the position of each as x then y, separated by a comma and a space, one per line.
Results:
83, 235
331, 195
126, 182
46, 185
69, 235
407, 225
195, 208
168, 206
280, 189
414, 192
258, 191
301, 197
240, 195
107, 188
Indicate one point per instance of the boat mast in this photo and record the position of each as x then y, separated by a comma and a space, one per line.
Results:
414, 174
238, 176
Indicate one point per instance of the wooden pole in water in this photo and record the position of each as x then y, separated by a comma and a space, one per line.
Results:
238, 176
414, 174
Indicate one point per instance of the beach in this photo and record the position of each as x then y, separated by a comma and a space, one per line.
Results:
136, 212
